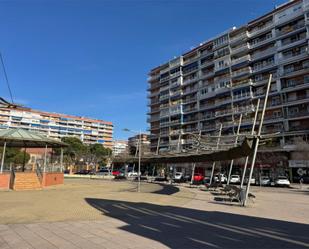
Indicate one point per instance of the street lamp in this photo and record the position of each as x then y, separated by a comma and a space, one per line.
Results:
139, 156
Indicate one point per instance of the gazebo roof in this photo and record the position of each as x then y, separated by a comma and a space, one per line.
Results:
29, 139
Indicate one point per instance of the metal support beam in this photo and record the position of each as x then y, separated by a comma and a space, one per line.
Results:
252, 133
2, 159
236, 140
193, 166
257, 140
61, 159
214, 163
45, 158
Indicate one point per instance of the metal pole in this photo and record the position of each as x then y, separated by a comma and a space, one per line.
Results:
257, 140
178, 144
139, 162
2, 159
236, 139
214, 163
45, 158
252, 133
61, 159
158, 145
193, 166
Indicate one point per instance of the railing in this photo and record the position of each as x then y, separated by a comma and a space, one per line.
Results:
260, 29
290, 29
239, 48
241, 59
264, 66
263, 53
242, 71
239, 37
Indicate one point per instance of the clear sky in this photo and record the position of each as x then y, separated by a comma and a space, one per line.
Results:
91, 58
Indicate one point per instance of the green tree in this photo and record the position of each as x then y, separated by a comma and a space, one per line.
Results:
15, 156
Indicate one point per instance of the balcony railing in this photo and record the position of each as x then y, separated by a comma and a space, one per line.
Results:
298, 114
239, 49
187, 81
241, 72
263, 66
290, 29
188, 100
266, 52
239, 37
294, 70
260, 29
242, 83
241, 59
261, 42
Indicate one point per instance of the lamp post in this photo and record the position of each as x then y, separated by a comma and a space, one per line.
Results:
139, 156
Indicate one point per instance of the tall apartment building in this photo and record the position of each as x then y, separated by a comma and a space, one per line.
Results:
57, 125
120, 147
223, 77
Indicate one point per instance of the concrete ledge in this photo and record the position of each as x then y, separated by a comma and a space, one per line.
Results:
89, 176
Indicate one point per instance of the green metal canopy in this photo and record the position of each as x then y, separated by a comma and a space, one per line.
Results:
27, 139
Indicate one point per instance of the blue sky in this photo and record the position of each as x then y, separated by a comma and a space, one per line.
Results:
91, 58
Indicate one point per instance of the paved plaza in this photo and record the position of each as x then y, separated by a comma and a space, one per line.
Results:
87, 213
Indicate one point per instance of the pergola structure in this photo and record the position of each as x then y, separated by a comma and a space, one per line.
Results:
21, 138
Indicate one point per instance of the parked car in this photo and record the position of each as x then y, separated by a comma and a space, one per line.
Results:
104, 172
282, 181
265, 181
178, 177
83, 172
207, 180
198, 178
220, 178
235, 179
116, 172
132, 174
252, 182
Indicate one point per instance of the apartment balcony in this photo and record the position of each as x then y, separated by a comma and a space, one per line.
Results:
206, 52
163, 97
164, 79
176, 93
177, 74
290, 30
191, 90
153, 119
291, 58
261, 42
209, 127
191, 129
300, 114
153, 86
188, 61
190, 109
153, 110
164, 124
294, 85
207, 106
241, 60
267, 52
222, 90
187, 120
190, 70
189, 100
175, 122
164, 88
239, 37
242, 72
240, 49
243, 96
207, 74
297, 100
284, 46
243, 83
222, 113
207, 95
223, 67
153, 102
175, 111
207, 63
294, 71
153, 77
176, 62
176, 132
165, 70
263, 67
219, 102
188, 81
164, 114
259, 30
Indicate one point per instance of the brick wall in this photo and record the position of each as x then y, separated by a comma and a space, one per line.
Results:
5, 180
50, 179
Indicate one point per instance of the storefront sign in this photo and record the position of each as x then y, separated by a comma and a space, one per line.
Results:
299, 163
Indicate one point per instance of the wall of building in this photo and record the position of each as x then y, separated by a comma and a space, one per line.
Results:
50, 179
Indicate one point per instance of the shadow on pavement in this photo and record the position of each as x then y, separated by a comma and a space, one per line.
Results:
166, 189
178, 227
